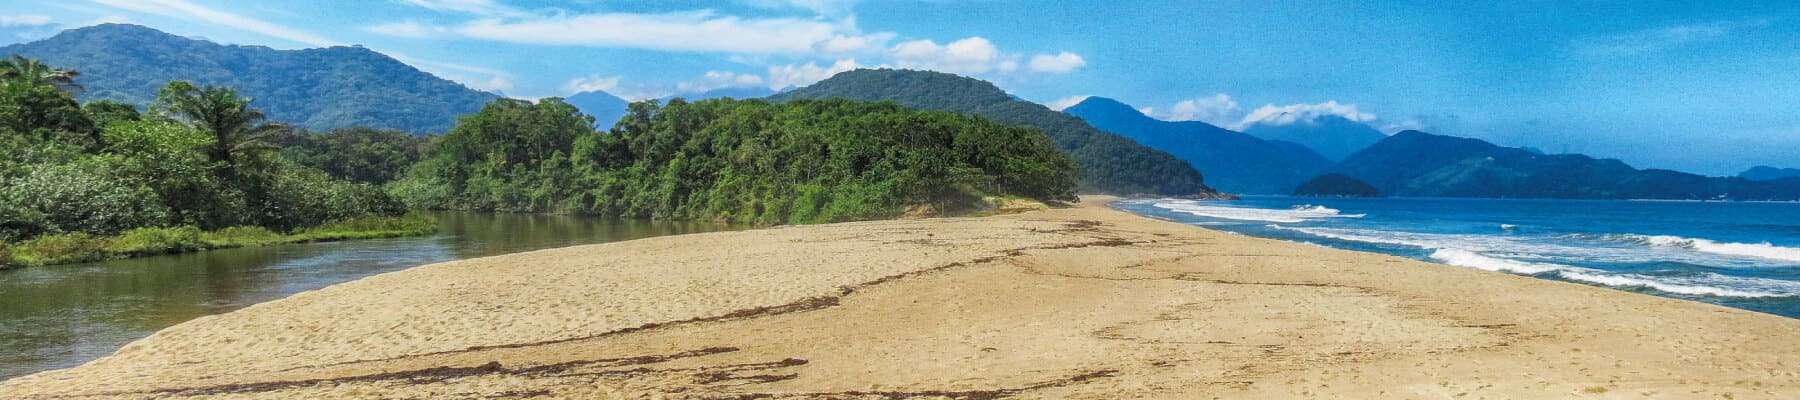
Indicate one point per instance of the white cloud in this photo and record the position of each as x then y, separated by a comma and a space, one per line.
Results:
698, 31
1288, 114
853, 43
821, 7
719, 80
1660, 39
591, 83
497, 84
783, 76
476, 7
184, 9
1066, 102
971, 55
1059, 63
24, 20
1217, 109
1410, 124
408, 29
1147, 110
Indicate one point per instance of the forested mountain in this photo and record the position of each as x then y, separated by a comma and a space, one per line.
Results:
604, 107
1109, 163
1414, 163
1768, 173
1332, 136
745, 161
319, 89
1232, 161
1336, 185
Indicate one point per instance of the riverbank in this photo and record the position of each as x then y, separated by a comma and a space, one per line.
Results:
80, 247
1078, 302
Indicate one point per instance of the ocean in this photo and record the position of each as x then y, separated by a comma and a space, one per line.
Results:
1736, 254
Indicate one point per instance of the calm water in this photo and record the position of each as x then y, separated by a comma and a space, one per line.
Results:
62, 316
1744, 255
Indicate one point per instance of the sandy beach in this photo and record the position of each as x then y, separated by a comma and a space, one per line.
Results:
1081, 302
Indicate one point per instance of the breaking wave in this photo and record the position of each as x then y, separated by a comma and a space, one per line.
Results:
1297, 214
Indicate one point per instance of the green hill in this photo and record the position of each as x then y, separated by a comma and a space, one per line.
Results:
1109, 163
319, 89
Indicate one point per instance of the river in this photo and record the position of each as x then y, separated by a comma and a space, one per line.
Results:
61, 316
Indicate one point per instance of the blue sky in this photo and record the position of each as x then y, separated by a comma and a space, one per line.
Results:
1709, 88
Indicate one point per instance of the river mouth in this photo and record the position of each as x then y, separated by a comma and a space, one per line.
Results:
62, 316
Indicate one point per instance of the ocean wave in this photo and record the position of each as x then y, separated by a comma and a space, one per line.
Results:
1763, 250
1297, 214
1465, 258
1706, 284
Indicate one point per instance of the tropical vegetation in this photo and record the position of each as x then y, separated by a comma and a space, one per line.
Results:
744, 161
197, 170
1108, 163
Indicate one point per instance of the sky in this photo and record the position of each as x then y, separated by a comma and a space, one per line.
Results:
1705, 87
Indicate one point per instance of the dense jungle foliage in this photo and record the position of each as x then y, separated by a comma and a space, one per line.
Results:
200, 158
732, 160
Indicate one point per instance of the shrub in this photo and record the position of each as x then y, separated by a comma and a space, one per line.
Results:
148, 241
60, 249
368, 227
242, 236
79, 197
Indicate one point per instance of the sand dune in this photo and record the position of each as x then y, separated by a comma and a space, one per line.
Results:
1084, 302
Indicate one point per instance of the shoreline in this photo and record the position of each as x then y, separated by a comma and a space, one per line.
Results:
64, 249
1086, 301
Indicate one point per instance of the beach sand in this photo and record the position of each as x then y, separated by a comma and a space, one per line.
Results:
1081, 302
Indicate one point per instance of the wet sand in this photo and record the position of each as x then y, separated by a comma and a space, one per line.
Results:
1082, 302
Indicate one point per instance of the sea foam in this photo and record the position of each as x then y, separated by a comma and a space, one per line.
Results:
1297, 214
1471, 251
1759, 250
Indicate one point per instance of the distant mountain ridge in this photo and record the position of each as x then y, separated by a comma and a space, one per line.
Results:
321, 88
1109, 163
1768, 173
740, 93
1332, 136
604, 107
1232, 161
1419, 164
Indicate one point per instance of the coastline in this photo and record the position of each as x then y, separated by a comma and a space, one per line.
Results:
1077, 302
146, 242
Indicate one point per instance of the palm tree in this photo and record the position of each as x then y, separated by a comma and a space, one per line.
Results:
19, 68
238, 130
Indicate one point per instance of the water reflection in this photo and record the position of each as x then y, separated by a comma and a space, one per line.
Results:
61, 316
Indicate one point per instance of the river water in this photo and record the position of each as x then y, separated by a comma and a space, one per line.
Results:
61, 316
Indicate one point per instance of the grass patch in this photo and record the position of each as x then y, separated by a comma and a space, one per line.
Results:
71, 248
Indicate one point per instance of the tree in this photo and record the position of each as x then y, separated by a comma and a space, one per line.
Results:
239, 131
32, 105
106, 112
29, 70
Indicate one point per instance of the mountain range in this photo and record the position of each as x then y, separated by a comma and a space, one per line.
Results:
1332, 136
320, 89
1419, 164
1768, 173
1109, 163
1232, 161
